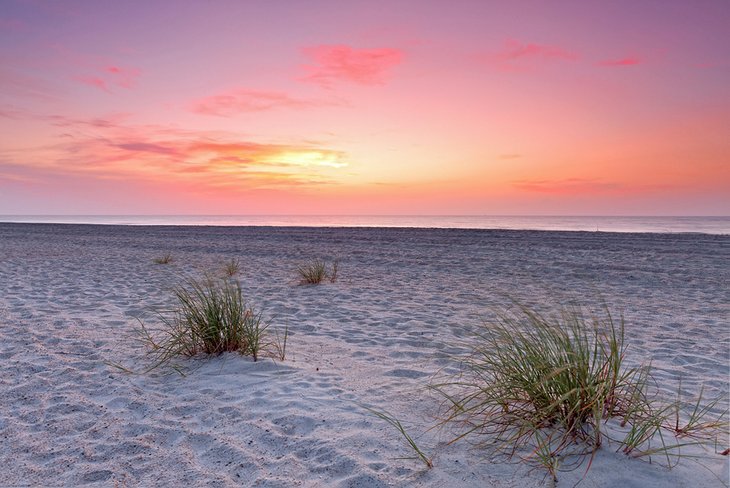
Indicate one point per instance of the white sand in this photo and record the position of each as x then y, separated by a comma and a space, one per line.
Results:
69, 296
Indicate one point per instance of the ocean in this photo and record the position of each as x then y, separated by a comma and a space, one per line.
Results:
702, 225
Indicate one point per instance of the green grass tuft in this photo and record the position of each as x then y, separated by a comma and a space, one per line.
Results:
232, 267
210, 317
550, 388
164, 259
315, 271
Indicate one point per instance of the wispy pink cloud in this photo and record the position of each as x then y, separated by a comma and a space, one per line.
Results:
94, 81
106, 77
518, 56
569, 186
335, 63
628, 61
243, 100
19, 84
124, 77
15, 173
10, 112
148, 147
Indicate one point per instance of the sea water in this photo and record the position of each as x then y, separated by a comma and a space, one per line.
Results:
704, 225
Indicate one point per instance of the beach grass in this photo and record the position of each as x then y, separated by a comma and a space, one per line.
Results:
392, 420
280, 342
315, 271
164, 259
232, 267
553, 388
210, 317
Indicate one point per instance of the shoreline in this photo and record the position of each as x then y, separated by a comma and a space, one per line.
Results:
715, 225
364, 228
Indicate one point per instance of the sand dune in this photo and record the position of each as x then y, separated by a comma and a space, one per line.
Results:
71, 295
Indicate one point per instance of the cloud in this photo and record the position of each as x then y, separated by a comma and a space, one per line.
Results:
148, 147
243, 100
518, 56
15, 173
104, 149
94, 81
123, 77
101, 72
628, 61
342, 63
106, 77
112, 121
269, 155
10, 112
18, 84
569, 186
510, 156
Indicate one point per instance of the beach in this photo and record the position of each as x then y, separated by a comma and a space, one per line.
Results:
71, 297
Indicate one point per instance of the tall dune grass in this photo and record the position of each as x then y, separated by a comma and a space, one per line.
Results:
548, 388
210, 317
232, 267
164, 259
315, 271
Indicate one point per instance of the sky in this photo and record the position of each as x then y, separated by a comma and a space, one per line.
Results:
374, 107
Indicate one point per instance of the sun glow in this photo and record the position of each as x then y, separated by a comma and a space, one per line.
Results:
330, 159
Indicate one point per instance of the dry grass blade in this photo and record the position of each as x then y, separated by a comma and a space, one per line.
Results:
420, 455
280, 343
699, 421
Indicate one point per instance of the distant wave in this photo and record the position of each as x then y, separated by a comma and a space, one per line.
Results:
703, 225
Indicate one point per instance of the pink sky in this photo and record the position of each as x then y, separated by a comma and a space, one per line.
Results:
573, 108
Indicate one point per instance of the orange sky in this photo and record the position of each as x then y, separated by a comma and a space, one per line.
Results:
365, 108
